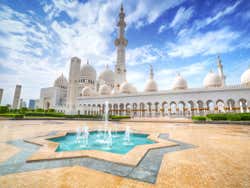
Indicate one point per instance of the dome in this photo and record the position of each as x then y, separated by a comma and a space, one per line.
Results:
180, 83
104, 90
127, 88
151, 86
107, 76
61, 82
88, 72
245, 78
212, 80
87, 91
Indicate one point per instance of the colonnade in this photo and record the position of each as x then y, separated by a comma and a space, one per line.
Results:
168, 108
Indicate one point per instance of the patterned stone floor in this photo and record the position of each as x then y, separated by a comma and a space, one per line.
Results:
207, 156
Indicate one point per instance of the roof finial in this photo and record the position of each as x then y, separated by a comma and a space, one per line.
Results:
151, 72
121, 7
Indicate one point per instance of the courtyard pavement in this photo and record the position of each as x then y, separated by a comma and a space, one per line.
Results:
206, 156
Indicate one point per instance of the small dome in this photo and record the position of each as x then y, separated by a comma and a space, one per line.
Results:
134, 90
107, 76
61, 82
87, 91
127, 88
151, 86
245, 78
180, 83
88, 72
104, 90
212, 80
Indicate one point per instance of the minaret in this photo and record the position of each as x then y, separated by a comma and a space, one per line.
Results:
120, 43
220, 71
16, 97
72, 92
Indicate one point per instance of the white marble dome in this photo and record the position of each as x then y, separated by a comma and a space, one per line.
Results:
107, 76
61, 82
87, 91
88, 72
127, 88
179, 83
151, 86
104, 90
245, 78
212, 80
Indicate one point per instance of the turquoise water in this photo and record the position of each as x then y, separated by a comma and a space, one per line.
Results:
95, 142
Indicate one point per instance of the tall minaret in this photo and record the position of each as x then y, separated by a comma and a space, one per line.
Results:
120, 43
72, 91
220, 71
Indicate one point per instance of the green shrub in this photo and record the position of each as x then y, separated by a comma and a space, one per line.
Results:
84, 116
118, 117
4, 109
217, 117
39, 110
233, 117
14, 116
245, 116
45, 114
199, 118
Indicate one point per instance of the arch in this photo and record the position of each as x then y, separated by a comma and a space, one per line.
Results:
181, 108
115, 109
200, 105
149, 109
243, 105
190, 107
164, 108
121, 109
134, 109
142, 109
220, 106
173, 108
210, 106
128, 108
231, 105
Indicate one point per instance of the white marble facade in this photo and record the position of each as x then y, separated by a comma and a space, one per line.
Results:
85, 92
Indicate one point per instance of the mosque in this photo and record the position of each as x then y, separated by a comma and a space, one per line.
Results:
85, 93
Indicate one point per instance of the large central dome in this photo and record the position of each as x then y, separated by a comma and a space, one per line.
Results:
107, 76
88, 72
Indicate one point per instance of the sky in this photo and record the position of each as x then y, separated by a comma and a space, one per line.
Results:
38, 38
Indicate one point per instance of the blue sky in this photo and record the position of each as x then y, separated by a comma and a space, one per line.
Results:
38, 37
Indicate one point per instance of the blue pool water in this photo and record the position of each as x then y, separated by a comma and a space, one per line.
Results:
95, 142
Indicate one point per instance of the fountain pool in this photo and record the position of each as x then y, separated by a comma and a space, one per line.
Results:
119, 142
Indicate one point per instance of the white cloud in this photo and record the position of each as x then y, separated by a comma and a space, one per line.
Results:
212, 42
144, 54
211, 19
182, 16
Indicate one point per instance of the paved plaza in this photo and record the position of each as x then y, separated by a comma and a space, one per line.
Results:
202, 156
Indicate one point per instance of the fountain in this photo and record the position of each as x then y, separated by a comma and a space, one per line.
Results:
78, 135
104, 139
85, 136
127, 136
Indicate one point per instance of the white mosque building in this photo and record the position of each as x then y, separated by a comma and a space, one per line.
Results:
85, 93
